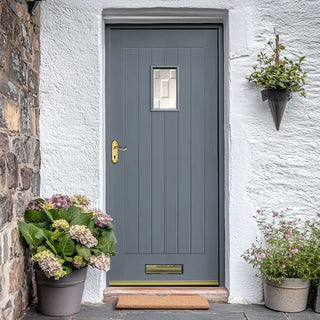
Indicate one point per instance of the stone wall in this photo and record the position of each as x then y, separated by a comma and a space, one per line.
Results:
19, 147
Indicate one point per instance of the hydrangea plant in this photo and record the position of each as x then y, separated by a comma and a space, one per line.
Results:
289, 248
65, 235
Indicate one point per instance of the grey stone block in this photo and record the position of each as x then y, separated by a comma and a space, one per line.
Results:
3, 44
21, 204
18, 147
35, 187
5, 248
4, 141
25, 39
305, 315
3, 123
33, 151
25, 112
8, 88
13, 6
26, 178
265, 316
16, 66
34, 315
2, 171
183, 316
12, 171
33, 81
101, 311
3, 209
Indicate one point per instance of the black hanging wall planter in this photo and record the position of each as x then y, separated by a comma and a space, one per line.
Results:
277, 100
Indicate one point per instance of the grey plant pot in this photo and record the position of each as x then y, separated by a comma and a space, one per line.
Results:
289, 296
277, 100
58, 298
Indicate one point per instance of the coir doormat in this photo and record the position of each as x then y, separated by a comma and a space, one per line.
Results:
162, 302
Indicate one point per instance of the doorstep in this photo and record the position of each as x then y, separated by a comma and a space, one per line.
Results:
212, 294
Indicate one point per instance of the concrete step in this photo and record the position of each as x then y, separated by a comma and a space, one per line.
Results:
212, 294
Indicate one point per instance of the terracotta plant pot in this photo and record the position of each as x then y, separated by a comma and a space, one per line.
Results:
277, 100
289, 296
58, 298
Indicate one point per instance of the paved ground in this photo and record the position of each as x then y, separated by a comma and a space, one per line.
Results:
216, 312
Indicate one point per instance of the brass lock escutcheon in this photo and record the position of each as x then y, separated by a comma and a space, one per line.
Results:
114, 151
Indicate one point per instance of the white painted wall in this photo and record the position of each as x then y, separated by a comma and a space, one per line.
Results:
267, 169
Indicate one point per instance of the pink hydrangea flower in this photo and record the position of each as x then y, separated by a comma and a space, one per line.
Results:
35, 205
83, 235
59, 201
101, 219
101, 262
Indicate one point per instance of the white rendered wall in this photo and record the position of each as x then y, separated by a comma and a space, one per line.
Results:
267, 169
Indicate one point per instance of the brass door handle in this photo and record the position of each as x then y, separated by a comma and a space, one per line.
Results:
114, 151
122, 149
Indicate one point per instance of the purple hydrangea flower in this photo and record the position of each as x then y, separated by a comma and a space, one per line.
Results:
59, 201
35, 205
101, 219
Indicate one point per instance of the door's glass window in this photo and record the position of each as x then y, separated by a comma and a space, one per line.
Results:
164, 88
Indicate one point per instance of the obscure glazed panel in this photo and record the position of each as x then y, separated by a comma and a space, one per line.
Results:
164, 88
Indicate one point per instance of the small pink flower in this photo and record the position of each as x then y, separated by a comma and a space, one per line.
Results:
287, 236
258, 211
290, 230
258, 266
295, 251
261, 255
283, 266
318, 214
275, 213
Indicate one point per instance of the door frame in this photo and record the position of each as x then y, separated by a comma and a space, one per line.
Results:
177, 18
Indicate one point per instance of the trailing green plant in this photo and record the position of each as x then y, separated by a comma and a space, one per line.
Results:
271, 72
65, 235
290, 248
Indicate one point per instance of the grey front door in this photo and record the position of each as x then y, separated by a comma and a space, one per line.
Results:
163, 193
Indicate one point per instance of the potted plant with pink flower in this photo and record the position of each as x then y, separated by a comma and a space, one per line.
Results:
66, 237
287, 258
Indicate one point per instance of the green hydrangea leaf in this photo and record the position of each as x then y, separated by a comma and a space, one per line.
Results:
66, 245
56, 215
83, 251
32, 234
34, 216
84, 219
70, 214
109, 240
